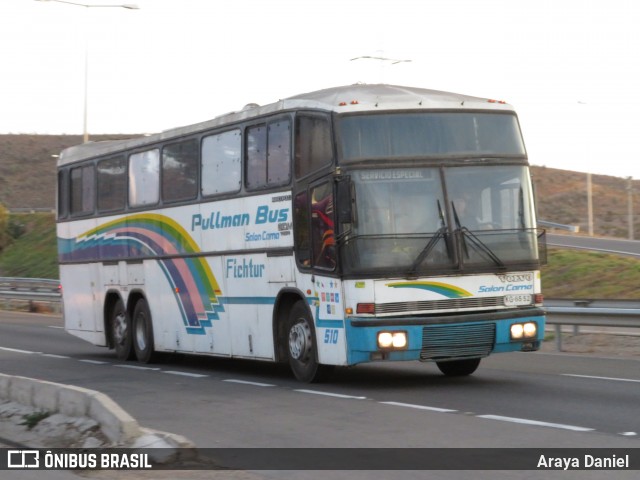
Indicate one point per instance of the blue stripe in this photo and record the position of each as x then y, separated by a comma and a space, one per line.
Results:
329, 323
247, 300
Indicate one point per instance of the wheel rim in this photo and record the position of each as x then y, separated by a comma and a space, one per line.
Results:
300, 341
120, 328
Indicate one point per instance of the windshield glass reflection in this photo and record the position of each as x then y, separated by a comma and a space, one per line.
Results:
431, 220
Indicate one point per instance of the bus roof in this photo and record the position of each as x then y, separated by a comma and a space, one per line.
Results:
346, 99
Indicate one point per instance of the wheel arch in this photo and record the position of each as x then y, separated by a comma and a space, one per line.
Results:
134, 296
286, 299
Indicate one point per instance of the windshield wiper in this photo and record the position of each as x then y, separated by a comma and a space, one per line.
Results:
433, 241
474, 240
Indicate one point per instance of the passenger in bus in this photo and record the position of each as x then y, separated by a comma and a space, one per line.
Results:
466, 212
323, 227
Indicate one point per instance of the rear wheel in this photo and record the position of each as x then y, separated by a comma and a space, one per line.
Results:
303, 354
143, 332
121, 331
459, 368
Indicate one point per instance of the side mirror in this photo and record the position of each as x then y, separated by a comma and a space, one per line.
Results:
345, 199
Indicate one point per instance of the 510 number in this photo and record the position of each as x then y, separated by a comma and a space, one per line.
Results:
331, 335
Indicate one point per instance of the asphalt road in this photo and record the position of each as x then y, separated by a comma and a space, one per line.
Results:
513, 400
598, 244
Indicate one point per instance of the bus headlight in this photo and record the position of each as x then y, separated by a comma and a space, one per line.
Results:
530, 330
520, 331
392, 340
517, 331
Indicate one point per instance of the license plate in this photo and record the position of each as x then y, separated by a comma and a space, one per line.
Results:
515, 300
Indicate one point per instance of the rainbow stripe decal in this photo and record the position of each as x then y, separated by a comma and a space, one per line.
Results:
444, 289
151, 235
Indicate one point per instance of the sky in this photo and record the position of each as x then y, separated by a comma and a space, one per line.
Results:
570, 68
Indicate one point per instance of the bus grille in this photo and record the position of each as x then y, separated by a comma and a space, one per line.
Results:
457, 341
431, 305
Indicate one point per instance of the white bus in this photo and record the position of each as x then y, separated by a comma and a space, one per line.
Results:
354, 224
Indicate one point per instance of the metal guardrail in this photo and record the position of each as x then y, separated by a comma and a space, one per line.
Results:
30, 289
591, 313
559, 226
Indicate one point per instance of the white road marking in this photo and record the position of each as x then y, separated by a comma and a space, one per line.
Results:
628, 434
16, 350
56, 326
244, 382
94, 362
337, 395
419, 407
53, 355
602, 378
536, 422
185, 374
136, 367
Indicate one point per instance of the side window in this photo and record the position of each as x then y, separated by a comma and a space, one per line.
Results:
221, 165
313, 144
63, 194
144, 178
112, 184
268, 148
279, 153
256, 156
180, 171
82, 190
301, 229
322, 227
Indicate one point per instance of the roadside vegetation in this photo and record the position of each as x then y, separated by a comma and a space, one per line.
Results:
29, 248
578, 274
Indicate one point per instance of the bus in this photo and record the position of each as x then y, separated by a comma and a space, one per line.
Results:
364, 223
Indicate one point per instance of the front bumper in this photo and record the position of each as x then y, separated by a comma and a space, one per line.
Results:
444, 337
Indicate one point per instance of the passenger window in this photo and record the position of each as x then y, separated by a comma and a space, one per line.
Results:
112, 184
221, 167
82, 190
144, 178
180, 171
63, 194
268, 150
313, 144
279, 153
256, 157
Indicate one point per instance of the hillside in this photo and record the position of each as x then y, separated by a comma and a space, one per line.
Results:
28, 180
28, 168
562, 198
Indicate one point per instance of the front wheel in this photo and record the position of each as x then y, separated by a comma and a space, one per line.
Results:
143, 332
459, 368
303, 354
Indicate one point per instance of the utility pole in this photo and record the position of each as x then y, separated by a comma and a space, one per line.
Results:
590, 204
630, 205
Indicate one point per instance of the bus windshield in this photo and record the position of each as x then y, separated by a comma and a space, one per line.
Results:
410, 135
427, 220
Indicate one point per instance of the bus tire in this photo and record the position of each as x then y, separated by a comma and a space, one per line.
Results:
459, 368
120, 326
143, 332
302, 351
